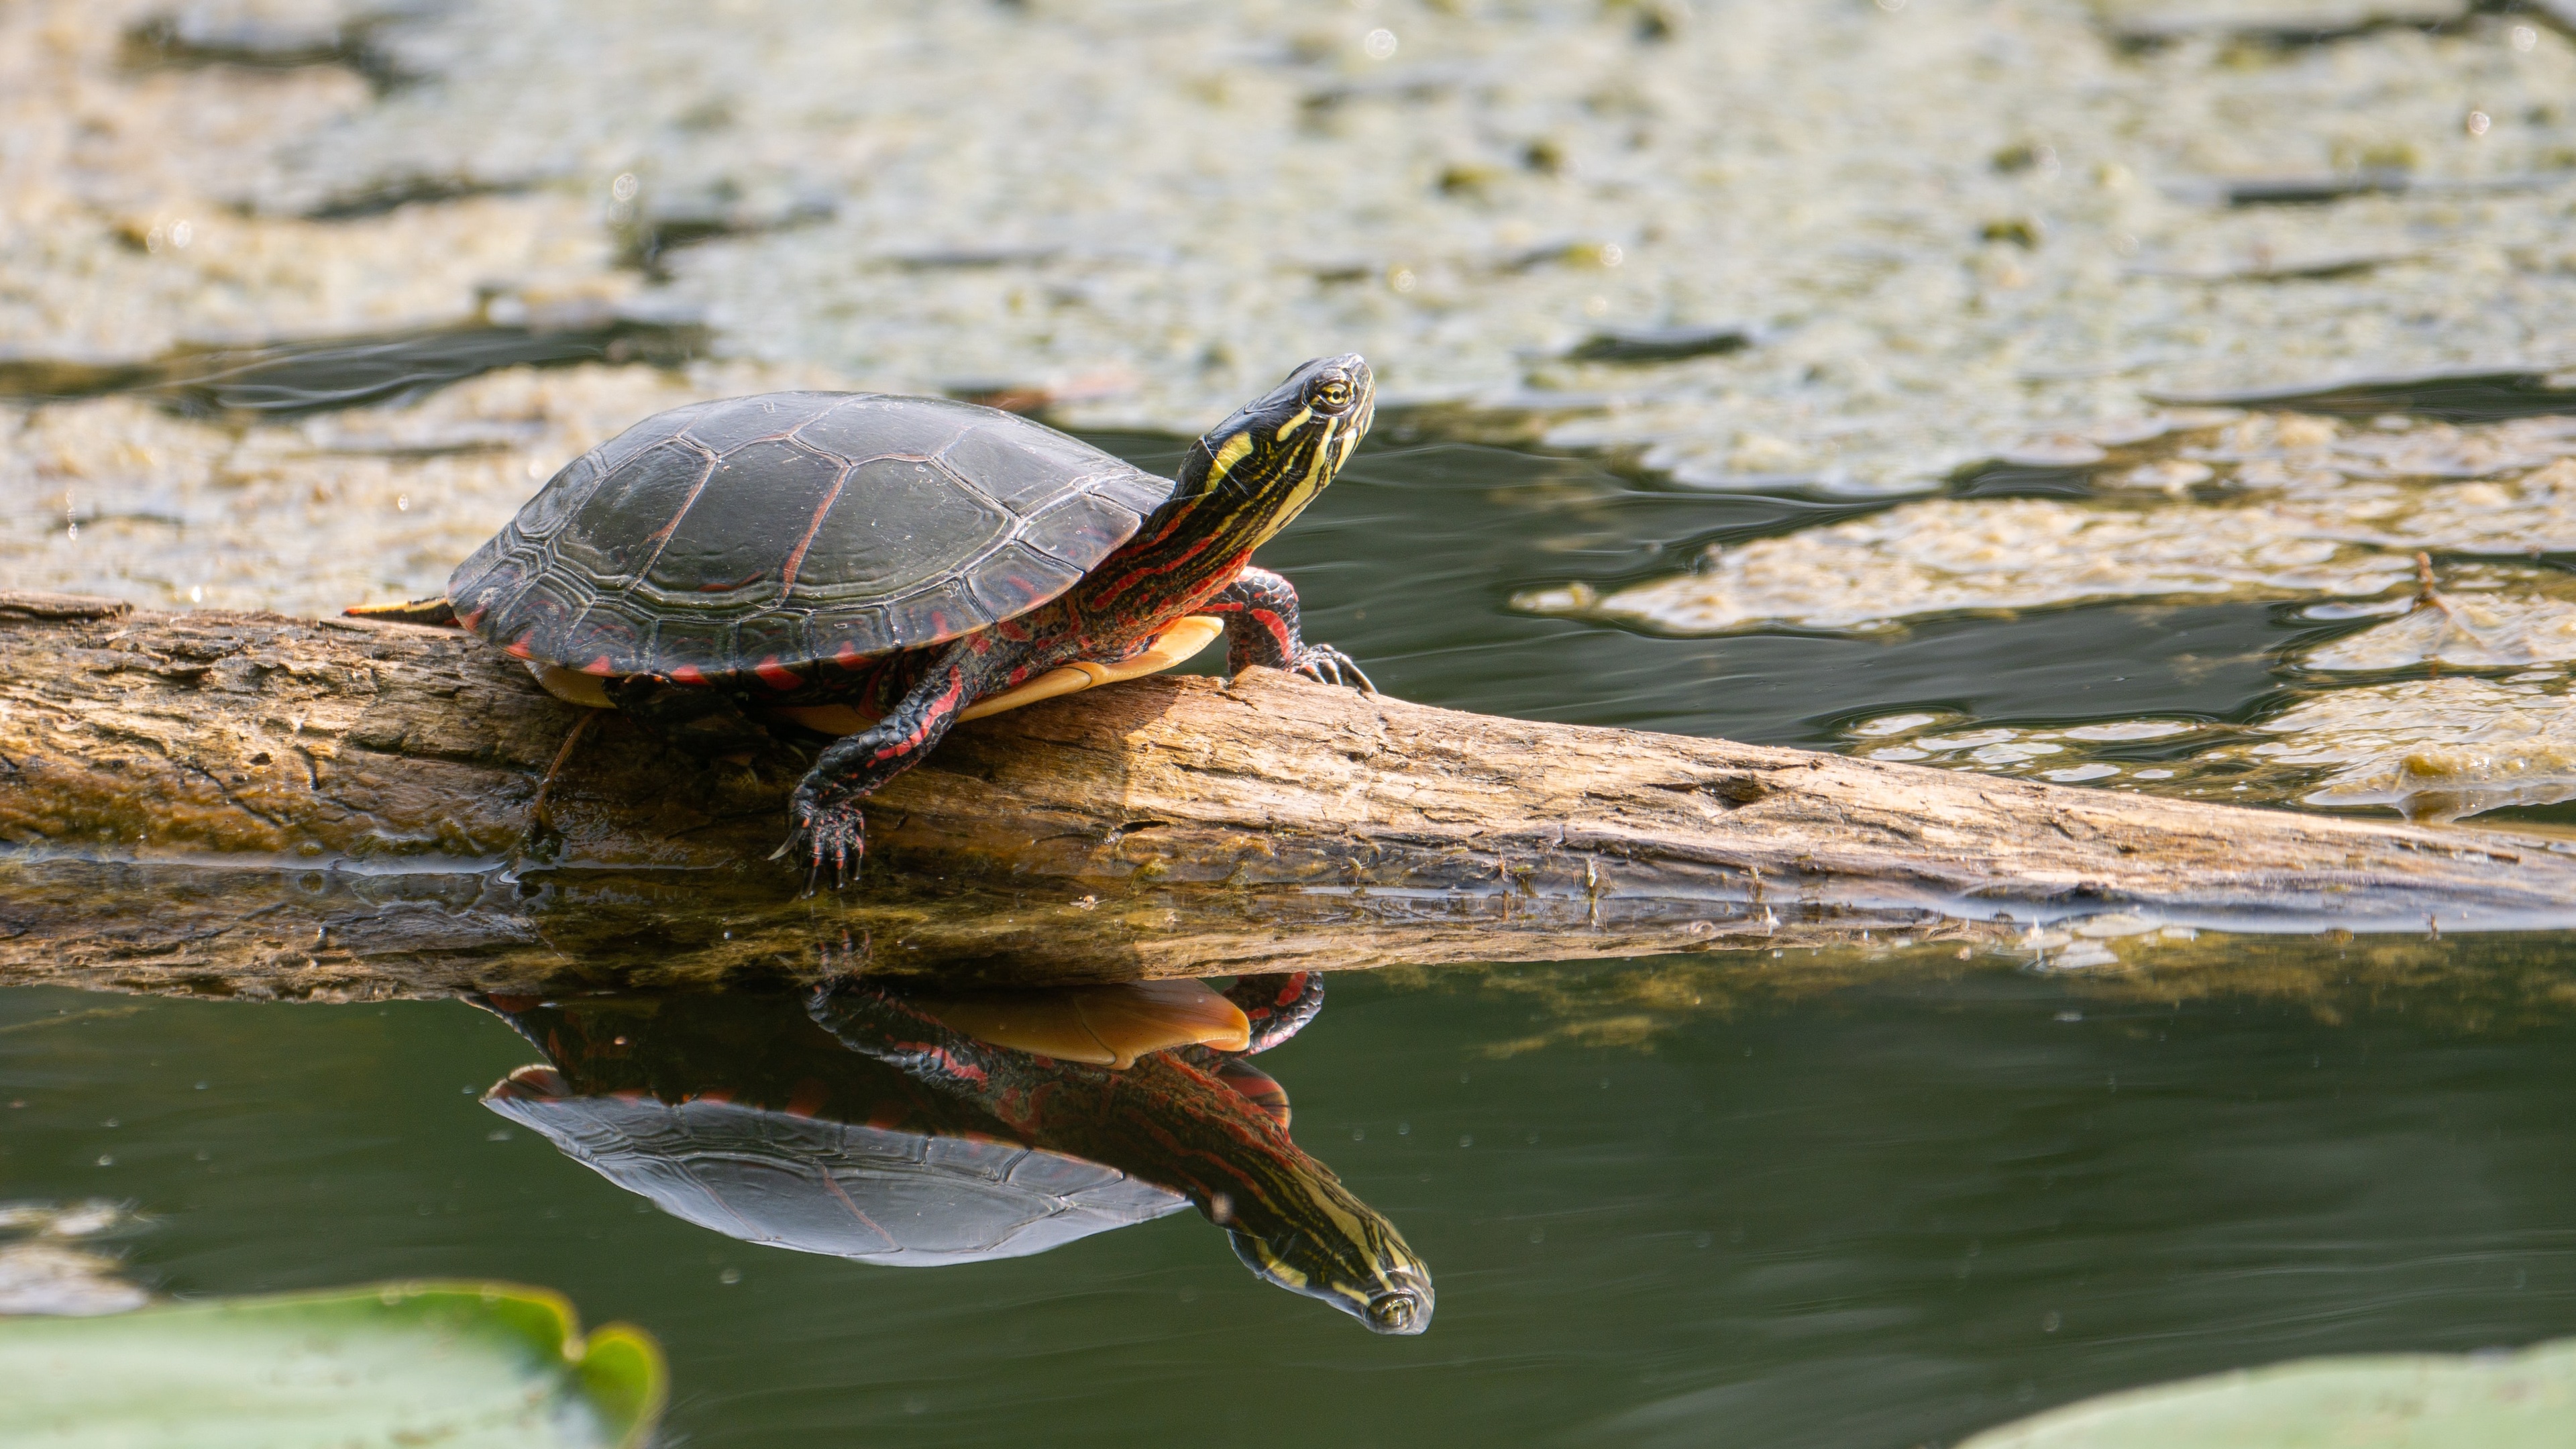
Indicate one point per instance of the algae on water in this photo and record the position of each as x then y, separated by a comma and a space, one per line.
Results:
2300, 510
2430, 749
1944, 229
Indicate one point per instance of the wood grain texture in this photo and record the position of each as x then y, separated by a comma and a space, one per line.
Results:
248, 797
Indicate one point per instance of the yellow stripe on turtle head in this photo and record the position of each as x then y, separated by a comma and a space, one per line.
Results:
1304, 415
1319, 463
1228, 453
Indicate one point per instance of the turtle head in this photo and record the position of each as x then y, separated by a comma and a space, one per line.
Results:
1265, 463
1350, 1258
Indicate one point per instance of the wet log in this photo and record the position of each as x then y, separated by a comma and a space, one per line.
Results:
228, 803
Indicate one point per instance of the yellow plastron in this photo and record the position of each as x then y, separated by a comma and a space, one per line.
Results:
1109, 1026
1177, 644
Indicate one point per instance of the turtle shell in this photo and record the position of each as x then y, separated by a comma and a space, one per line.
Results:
760, 533
846, 1189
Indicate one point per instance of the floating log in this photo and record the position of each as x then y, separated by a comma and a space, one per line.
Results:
242, 802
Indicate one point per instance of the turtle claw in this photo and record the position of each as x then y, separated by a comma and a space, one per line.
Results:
1325, 664
830, 833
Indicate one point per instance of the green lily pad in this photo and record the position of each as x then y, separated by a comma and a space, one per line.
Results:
2523, 1400
452, 1365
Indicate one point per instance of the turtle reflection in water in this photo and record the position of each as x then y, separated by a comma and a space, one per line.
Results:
917, 1131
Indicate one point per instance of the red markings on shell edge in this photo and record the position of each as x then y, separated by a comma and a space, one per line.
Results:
775, 674
518, 648
687, 674
808, 1097
469, 620
600, 667
848, 656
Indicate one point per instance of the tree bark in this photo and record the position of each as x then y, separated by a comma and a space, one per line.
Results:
229, 803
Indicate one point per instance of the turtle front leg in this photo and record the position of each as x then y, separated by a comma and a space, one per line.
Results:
1276, 1005
825, 807
1260, 613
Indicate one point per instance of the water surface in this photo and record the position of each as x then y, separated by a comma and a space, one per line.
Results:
1876, 1215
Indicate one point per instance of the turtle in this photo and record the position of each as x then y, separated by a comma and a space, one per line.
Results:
882, 566
860, 1122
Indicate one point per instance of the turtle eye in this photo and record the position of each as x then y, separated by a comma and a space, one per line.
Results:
1332, 394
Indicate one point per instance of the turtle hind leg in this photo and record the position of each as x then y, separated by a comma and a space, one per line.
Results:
696, 719
824, 812
1260, 613
419, 611
541, 818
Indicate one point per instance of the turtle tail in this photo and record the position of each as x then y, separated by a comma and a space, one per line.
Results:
418, 611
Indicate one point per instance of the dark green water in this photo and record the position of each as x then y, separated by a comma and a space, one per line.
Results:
1884, 1216
1409, 561
1879, 1215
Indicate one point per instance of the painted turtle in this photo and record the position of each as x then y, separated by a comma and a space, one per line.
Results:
885, 566
892, 1136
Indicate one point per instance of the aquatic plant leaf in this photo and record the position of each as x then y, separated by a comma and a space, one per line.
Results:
454, 1364
2389, 1401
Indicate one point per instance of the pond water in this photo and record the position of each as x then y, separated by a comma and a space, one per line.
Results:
1964, 384
1880, 1215
1867, 1198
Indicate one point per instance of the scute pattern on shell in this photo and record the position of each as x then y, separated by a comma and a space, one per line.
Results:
780, 530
